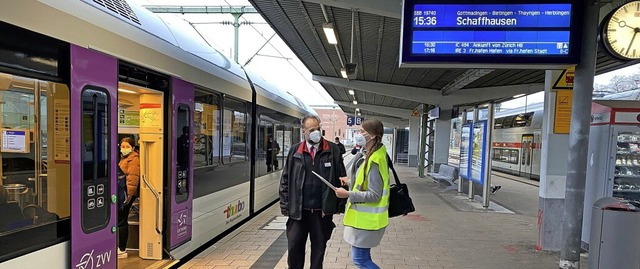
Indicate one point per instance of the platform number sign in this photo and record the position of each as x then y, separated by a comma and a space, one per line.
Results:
353, 120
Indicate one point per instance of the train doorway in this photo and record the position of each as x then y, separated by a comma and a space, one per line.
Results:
140, 222
526, 155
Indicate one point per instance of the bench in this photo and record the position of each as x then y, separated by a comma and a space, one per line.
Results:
446, 173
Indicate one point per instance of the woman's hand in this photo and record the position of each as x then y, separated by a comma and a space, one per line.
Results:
344, 181
342, 193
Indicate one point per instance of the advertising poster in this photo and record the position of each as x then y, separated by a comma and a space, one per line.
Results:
477, 151
465, 138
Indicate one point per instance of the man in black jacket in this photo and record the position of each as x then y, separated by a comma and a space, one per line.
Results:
305, 199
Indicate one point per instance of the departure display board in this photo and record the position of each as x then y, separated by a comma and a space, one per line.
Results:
514, 34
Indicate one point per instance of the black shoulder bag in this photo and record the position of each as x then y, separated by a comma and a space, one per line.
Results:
399, 201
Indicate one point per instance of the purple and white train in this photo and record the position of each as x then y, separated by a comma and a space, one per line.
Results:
76, 77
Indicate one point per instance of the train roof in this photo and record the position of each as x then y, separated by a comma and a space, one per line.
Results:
267, 93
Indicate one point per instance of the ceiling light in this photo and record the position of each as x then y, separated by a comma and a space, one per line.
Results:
352, 92
343, 72
330, 33
127, 91
357, 109
519, 95
355, 102
359, 114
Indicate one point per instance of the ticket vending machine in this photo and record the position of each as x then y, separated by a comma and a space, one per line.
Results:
613, 164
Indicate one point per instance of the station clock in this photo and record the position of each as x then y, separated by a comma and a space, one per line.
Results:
620, 32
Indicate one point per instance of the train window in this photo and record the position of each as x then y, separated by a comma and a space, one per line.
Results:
183, 144
497, 154
296, 135
234, 139
206, 129
520, 120
35, 171
529, 118
498, 123
513, 156
508, 121
287, 142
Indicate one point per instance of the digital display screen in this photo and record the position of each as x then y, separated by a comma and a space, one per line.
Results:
498, 33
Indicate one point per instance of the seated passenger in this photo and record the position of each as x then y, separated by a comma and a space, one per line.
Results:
11, 213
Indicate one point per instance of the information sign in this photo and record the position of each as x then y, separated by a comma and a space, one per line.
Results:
479, 139
14, 140
465, 146
562, 117
514, 34
353, 120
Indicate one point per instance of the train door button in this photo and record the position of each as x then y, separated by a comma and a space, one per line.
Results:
100, 202
91, 204
91, 191
100, 189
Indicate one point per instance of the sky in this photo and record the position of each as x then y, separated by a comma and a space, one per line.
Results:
275, 61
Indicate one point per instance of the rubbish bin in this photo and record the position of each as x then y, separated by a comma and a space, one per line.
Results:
615, 234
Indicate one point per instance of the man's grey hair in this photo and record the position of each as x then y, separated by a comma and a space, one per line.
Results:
310, 117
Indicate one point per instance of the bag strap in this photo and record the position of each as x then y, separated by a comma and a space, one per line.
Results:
395, 175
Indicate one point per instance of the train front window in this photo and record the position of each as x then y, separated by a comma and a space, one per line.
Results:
35, 172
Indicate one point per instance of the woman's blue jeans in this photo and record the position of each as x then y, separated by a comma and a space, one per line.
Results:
362, 258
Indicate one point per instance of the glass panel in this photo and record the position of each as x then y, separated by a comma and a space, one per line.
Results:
296, 136
206, 133
183, 144
278, 142
32, 191
95, 159
513, 156
627, 167
235, 136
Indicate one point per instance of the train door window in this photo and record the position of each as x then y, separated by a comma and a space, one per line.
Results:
277, 158
95, 158
234, 139
265, 146
183, 144
34, 171
287, 142
206, 129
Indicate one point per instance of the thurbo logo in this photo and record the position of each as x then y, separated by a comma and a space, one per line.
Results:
234, 211
182, 219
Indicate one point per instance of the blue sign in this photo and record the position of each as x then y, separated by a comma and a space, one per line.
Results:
477, 157
353, 120
519, 33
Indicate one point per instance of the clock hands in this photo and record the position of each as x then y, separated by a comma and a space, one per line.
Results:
623, 24
635, 32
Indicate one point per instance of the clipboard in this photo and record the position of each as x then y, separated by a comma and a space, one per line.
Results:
324, 181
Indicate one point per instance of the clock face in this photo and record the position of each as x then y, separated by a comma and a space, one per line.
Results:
622, 32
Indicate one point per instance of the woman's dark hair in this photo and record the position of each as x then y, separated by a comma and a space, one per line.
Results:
129, 140
374, 128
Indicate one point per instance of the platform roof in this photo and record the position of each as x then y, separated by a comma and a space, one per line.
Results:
380, 82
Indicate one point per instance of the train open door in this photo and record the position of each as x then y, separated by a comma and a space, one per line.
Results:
93, 120
181, 164
526, 155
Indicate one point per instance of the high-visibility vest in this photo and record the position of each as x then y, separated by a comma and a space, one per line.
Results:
370, 216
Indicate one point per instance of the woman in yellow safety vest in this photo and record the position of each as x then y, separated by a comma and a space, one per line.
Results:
366, 215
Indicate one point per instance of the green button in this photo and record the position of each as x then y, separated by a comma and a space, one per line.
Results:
114, 199
113, 229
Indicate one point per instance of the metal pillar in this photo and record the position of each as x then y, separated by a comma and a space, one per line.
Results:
464, 121
423, 141
236, 34
487, 156
579, 139
476, 114
430, 146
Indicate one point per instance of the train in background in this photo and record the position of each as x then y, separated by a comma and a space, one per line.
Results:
75, 78
517, 137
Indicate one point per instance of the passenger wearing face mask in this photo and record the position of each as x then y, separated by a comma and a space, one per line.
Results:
130, 165
305, 199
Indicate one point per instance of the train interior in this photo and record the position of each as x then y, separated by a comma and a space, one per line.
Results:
140, 117
34, 171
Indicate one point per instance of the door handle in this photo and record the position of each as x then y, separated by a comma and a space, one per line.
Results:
157, 196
